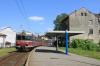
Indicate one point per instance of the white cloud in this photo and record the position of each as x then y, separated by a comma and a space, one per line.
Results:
36, 18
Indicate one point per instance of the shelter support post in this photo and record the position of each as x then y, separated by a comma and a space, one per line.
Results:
67, 39
57, 44
56, 38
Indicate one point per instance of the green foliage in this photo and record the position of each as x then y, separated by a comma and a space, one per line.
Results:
98, 46
99, 43
58, 22
74, 43
84, 44
61, 23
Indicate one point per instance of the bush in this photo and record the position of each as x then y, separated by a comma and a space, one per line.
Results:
99, 43
74, 43
98, 46
84, 44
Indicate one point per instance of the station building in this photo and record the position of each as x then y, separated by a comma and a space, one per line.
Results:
84, 20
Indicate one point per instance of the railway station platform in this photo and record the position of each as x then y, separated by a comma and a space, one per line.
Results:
48, 56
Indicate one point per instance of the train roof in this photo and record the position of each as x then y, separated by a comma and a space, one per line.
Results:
24, 33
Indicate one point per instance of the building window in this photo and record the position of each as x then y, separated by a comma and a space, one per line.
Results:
85, 14
81, 14
90, 22
90, 31
99, 32
98, 19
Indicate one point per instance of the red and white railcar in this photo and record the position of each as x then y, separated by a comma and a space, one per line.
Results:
24, 41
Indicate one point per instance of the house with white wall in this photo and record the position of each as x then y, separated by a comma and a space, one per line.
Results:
10, 38
2, 40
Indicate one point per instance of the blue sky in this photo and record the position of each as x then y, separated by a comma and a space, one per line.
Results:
37, 16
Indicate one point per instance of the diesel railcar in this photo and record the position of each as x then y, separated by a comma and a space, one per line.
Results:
24, 41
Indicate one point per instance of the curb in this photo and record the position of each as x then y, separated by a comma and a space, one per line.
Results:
27, 61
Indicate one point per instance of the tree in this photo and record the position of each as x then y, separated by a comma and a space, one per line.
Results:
60, 22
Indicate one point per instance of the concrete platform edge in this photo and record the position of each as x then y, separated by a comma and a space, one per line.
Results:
27, 62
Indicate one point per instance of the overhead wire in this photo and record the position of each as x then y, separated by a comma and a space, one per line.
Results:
19, 8
22, 9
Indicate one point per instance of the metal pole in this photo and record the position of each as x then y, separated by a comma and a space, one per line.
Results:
67, 43
56, 39
57, 44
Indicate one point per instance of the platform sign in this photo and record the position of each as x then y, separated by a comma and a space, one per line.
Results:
67, 43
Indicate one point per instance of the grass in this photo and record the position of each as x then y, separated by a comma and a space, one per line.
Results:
87, 53
6, 51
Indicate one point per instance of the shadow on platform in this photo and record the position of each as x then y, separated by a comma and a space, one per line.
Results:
48, 51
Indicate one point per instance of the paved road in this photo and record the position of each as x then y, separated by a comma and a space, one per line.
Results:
47, 56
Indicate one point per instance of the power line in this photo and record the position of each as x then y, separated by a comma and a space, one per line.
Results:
24, 10
18, 5
21, 9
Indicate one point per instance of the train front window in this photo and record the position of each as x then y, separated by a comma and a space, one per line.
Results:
28, 38
23, 37
19, 37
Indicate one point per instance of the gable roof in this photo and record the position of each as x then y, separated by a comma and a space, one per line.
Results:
97, 15
83, 8
4, 28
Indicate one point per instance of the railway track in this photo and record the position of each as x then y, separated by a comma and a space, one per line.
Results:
14, 59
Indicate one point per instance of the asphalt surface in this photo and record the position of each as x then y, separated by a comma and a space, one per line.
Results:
47, 56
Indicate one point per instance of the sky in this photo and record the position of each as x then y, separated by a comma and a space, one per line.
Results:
37, 16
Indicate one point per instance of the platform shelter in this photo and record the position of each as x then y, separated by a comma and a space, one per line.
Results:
67, 34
